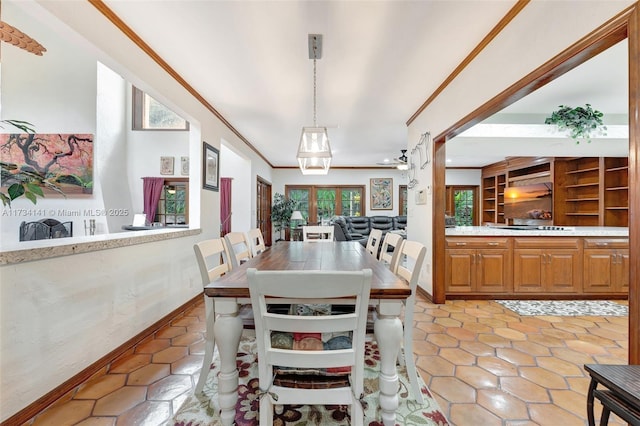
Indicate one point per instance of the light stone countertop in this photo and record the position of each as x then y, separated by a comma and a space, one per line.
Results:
27, 251
573, 231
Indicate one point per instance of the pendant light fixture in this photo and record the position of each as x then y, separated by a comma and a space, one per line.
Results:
314, 153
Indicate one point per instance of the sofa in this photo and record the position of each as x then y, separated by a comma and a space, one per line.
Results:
357, 228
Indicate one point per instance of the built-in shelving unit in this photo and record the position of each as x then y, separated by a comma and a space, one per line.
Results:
587, 191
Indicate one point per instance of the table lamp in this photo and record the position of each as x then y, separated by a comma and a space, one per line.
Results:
296, 215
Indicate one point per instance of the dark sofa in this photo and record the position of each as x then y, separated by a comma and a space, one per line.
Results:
357, 228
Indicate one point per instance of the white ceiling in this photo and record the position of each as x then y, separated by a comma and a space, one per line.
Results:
381, 60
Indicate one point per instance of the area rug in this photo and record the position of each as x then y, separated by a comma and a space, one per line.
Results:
203, 410
566, 307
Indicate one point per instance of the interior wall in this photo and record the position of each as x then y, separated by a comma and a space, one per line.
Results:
237, 167
498, 66
54, 306
463, 177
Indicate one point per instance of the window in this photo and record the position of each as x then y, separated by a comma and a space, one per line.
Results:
402, 201
149, 114
323, 202
461, 204
173, 206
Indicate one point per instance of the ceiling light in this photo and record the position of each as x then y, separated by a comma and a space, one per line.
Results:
314, 152
403, 166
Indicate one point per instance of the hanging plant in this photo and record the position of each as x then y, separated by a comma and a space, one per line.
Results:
581, 122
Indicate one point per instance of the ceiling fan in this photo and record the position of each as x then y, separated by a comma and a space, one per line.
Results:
400, 163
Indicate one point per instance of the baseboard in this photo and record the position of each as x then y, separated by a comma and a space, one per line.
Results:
424, 293
70, 385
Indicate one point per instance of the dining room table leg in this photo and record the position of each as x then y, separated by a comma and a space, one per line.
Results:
388, 334
227, 330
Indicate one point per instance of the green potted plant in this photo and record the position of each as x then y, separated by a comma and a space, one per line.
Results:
581, 122
281, 211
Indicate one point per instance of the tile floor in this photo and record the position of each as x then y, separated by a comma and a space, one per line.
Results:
484, 364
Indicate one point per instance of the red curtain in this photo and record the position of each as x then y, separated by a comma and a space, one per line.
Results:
151, 193
225, 206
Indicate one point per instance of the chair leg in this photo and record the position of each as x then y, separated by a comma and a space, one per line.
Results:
409, 359
209, 346
604, 419
357, 414
266, 410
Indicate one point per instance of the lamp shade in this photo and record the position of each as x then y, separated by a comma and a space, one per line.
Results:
296, 215
314, 152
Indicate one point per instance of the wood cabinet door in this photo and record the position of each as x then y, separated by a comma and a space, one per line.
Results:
460, 270
527, 270
562, 271
493, 271
621, 280
598, 270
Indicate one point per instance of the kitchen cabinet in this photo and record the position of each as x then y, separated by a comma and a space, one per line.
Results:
606, 265
478, 265
547, 265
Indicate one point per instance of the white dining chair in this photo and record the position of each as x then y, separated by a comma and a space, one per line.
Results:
239, 247
277, 363
318, 233
213, 261
390, 250
257, 241
408, 266
373, 243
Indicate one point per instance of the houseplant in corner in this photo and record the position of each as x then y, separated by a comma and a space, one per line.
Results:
281, 212
581, 122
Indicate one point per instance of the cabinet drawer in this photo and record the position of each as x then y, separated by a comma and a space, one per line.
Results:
547, 243
478, 242
622, 243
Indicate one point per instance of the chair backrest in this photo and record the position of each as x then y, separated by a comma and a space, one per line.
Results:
351, 288
257, 241
213, 259
390, 251
409, 264
373, 243
317, 233
239, 247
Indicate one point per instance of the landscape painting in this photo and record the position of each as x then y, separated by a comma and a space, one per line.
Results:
528, 202
63, 162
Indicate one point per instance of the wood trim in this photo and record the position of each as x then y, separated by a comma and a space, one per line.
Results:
634, 175
137, 40
437, 217
605, 36
625, 24
513, 12
103, 363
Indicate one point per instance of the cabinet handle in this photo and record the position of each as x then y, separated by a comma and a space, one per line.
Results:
461, 244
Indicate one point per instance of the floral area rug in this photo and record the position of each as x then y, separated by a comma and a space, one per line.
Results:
566, 307
203, 410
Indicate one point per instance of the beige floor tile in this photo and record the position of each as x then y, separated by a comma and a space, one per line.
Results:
473, 414
120, 401
524, 389
453, 389
502, 404
67, 414
101, 386
545, 378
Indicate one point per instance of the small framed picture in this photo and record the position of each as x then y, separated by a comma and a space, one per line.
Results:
184, 166
166, 165
210, 167
381, 193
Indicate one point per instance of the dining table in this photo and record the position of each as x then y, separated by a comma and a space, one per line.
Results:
388, 293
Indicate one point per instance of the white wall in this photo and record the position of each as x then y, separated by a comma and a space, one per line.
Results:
463, 177
238, 168
538, 33
50, 309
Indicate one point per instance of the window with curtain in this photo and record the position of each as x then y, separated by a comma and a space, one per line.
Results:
173, 206
317, 203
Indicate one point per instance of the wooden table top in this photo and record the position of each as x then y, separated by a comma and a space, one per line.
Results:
622, 379
308, 256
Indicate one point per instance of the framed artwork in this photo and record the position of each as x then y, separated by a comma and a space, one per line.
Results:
381, 193
184, 166
210, 167
65, 159
166, 165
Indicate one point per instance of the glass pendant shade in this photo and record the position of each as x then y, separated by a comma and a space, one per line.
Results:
314, 153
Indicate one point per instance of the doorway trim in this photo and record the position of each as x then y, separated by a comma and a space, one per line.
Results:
624, 25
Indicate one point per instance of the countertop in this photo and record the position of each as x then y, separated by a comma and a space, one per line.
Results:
26, 251
572, 231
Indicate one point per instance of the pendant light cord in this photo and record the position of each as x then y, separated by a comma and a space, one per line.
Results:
314, 92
